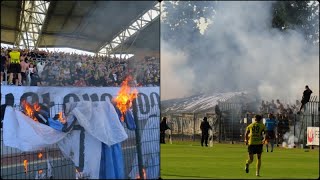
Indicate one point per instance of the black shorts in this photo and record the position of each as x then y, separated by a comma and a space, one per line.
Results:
2, 68
14, 68
270, 135
255, 149
23, 76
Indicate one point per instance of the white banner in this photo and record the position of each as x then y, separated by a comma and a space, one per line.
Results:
312, 136
148, 99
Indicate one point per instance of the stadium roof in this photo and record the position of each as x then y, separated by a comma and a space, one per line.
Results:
85, 25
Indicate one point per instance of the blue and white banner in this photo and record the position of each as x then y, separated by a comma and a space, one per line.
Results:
148, 97
148, 103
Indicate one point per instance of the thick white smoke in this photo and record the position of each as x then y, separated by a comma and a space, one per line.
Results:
242, 52
175, 74
290, 138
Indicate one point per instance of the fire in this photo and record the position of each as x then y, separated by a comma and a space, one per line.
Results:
61, 119
36, 106
125, 97
40, 171
144, 174
29, 109
25, 165
40, 155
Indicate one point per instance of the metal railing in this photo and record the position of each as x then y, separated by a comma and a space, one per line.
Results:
141, 152
230, 125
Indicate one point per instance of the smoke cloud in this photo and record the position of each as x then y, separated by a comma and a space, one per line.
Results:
291, 138
176, 75
241, 52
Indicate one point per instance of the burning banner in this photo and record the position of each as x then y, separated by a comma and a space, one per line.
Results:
125, 97
30, 110
25, 166
22, 132
38, 115
102, 135
96, 134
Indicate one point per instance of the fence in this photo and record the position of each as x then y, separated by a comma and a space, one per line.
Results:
230, 124
141, 152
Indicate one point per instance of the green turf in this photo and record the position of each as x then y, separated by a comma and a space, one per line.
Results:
185, 160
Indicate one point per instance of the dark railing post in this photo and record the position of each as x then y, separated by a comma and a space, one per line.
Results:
219, 121
138, 138
194, 127
181, 128
232, 118
294, 125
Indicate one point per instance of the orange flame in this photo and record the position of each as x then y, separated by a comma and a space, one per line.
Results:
125, 97
36, 106
29, 109
61, 119
144, 174
25, 165
40, 171
40, 155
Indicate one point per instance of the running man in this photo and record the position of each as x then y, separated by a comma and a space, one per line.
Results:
271, 124
253, 138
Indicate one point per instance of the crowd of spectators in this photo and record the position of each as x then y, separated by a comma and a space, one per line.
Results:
284, 114
279, 107
44, 68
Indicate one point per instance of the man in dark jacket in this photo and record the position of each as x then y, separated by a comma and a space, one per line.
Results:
9, 101
305, 98
163, 127
205, 131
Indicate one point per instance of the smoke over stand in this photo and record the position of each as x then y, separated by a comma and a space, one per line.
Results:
241, 51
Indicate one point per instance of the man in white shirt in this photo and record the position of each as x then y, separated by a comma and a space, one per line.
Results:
40, 67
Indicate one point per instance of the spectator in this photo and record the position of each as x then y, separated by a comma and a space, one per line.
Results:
40, 67
280, 107
273, 107
24, 68
205, 131
50, 64
14, 67
35, 79
3, 64
9, 101
305, 98
163, 127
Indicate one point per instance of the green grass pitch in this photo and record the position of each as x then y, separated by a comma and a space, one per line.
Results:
185, 160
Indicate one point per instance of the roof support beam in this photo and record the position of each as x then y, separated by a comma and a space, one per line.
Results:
46, 20
136, 26
10, 29
31, 21
18, 19
69, 14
